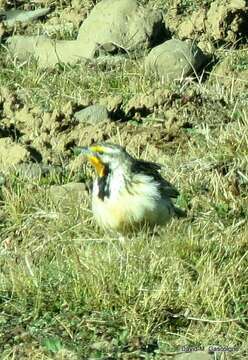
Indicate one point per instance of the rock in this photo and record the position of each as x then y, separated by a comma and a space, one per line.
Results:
12, 16
124, 24
48, 52
68, 195
92, 114
28, 171
34, 171
12, 154
174, 60
227, 20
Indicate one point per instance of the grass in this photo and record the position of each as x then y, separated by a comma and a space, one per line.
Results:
70, 291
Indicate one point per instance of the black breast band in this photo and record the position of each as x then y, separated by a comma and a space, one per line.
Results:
103, 185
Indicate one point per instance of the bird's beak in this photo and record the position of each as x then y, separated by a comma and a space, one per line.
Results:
92, 155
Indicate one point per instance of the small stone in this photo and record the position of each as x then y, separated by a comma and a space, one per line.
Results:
93, 114
12, 16
68, 195
174, 60
33, 171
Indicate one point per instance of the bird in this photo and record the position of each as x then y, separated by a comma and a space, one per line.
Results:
128, 193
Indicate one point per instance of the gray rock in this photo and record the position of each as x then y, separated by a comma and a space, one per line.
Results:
93, 114
12, 16
68, 195
34, 171
28, 171
48, 52
174, 59
124, 24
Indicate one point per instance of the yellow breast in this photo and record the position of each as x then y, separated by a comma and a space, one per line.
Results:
127, 210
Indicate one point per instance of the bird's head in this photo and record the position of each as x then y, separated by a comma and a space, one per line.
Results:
105, 157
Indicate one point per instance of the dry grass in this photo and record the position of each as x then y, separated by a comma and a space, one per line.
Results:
68, 291
63, 279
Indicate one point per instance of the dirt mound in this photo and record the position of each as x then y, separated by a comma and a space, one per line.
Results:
221, 22
53, 135
48, 136
12, 154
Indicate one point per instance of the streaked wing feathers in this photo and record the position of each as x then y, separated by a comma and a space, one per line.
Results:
152, 169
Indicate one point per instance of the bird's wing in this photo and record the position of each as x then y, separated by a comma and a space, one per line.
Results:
152, 169
166, 188
144, 166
